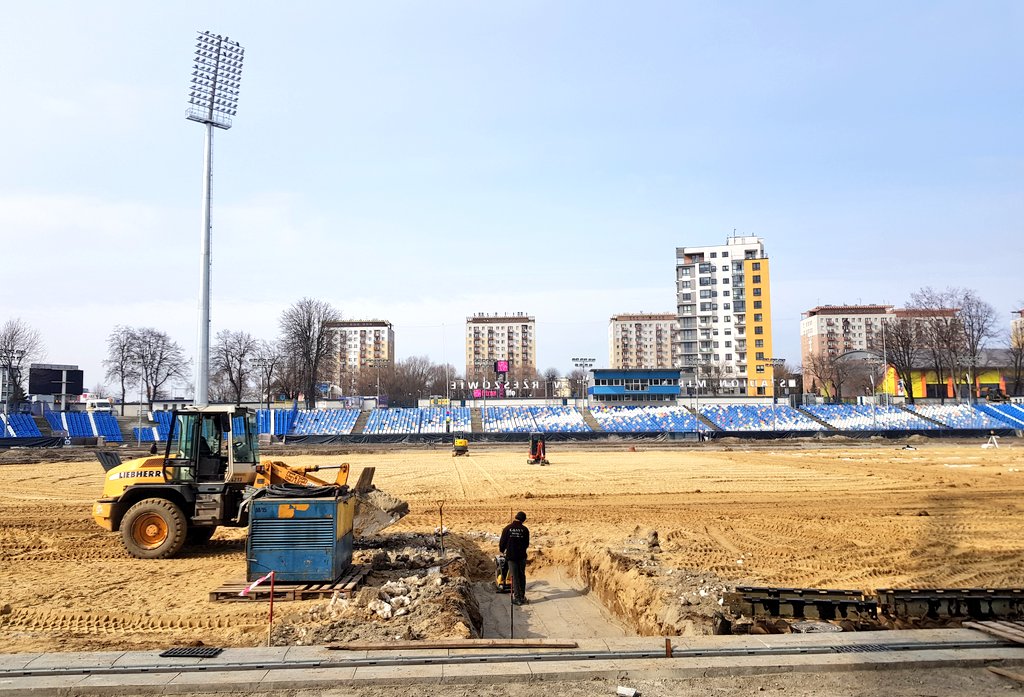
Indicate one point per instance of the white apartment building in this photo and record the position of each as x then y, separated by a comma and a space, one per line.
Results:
641, 340
837, 329
361, 345
501, 337
723, 310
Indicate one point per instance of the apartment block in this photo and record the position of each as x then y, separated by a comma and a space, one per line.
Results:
501, 337
836, 329
723, 311
362, 346
641, 340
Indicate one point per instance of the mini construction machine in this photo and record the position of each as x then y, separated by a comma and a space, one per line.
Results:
460, 444
208, 475
538, 450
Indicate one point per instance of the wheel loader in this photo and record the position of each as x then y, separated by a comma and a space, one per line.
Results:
209, 471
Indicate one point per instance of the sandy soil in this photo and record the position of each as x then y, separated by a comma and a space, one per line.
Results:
845, 515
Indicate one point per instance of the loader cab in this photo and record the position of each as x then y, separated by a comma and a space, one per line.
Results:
213, 444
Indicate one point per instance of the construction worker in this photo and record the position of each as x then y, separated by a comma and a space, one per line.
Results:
515, 538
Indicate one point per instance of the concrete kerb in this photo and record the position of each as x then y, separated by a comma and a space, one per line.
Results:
254, 670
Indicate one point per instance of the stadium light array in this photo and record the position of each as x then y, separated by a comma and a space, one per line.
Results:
213, 102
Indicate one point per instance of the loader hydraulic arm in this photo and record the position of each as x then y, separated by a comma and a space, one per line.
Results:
273, 472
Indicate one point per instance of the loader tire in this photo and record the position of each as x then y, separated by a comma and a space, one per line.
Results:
199, 535
154, 529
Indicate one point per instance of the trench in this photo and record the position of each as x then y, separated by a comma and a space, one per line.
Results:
583, 592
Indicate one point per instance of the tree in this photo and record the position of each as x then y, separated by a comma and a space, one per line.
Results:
413, 378
939, 331
20, 345
1016, 351
160, 359
266, 362
903, 349
830, 373
121, 364
977, 322
783, 373
551, 376
232, 353
306, 338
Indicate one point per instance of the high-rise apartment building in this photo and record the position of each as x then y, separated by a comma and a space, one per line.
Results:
723, 310
501, 337
1017, 329
833, 330
363, 348
641, 340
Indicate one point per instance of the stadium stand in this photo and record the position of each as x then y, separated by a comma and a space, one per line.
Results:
759, 417
392, 421
660, 419
508, 420
1010, 414
433, 419
106, 426
957, 416
147, 434
324, 422
163, 423
559, 420
19, 426
864, 417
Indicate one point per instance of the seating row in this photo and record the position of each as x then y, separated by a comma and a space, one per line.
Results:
18, 426
865, 417
759, 417
652, 419
957, 416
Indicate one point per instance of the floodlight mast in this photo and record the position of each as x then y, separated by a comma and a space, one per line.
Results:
213, 101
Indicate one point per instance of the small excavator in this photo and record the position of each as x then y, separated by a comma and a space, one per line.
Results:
206, 477
460, 444
538, 450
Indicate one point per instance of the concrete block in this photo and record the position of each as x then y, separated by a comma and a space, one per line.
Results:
11, 661
77, 659
238, 680
307, 678
486, 673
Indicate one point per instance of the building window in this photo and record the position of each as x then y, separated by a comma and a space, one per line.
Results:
725, 255
757, 278
757, 304
759, 329
757, 291
759, 355
759, 368
714, 254
756, 266
758, 317
758, 343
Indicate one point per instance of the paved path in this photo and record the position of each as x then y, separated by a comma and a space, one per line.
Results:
317, 668
558, 607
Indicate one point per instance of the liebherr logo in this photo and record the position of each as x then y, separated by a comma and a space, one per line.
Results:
135, 474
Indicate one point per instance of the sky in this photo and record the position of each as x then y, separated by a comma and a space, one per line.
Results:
421, 162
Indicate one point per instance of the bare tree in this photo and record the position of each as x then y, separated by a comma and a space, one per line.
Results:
266, 362
413, 378
160, 359
939, 330
830, 373
1016, 351
306, 337
20, 344
978, 324
232, 353
121, 364
903, 349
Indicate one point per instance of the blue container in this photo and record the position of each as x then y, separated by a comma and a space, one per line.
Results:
300, 539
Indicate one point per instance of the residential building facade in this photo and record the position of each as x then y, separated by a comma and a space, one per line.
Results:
723, 311
363, 347
641, 340
837, 329
508, 337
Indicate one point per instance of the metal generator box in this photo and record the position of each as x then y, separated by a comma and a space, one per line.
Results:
300, 539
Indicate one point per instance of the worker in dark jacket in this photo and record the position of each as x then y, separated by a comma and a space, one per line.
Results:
515, 538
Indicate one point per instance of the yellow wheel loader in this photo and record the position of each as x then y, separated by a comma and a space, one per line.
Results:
204, 479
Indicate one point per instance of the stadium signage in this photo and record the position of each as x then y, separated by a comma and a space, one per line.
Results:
495, 388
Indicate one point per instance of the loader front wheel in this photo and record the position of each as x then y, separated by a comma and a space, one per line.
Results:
154, 529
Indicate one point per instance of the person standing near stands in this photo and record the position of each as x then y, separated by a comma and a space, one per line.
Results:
515, 539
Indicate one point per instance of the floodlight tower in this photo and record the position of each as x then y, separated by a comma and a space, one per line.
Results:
213, 100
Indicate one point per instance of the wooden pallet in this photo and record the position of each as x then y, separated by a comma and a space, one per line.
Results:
1010, 631
344, 587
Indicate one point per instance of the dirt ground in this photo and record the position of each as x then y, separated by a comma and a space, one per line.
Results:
839, 515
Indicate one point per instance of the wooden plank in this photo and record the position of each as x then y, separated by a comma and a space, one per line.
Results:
1019, 677
456, 644
1009, 627
994, 631
365, 479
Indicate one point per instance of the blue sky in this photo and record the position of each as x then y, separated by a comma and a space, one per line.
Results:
420, 162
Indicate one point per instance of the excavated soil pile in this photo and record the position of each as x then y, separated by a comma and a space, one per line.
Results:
657, 535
